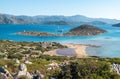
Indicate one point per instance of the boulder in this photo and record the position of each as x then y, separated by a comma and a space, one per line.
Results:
27, 62
37, 75
17, 61
4, 74
22, 72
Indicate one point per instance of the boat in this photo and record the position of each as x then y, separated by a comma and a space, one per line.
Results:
59, 30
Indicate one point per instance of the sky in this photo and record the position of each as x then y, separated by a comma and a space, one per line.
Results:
91, 8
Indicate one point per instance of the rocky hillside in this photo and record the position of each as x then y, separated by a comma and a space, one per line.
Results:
9, 19
85, 30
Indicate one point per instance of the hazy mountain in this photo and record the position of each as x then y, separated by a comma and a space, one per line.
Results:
11, 19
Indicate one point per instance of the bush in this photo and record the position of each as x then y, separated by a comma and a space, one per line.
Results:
85, 69
17, 56
23, 77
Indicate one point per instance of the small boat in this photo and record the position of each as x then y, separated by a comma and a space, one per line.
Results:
59, 30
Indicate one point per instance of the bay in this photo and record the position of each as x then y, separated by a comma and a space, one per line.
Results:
109, 42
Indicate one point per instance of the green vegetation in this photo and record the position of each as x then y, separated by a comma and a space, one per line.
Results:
11, 50
90, 68
58, 58
77, 68
69, 67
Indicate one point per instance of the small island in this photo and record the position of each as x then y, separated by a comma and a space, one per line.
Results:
116, 25
35, 33
83, 30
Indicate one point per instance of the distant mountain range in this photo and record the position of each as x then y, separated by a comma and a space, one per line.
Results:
11, 19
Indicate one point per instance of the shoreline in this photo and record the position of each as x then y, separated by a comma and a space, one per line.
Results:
80, 50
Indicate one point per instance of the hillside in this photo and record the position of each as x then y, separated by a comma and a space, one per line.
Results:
20, 58
7, 19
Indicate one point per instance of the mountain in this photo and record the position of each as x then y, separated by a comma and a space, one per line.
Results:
97, 22
11, 19
85, 30
116, 25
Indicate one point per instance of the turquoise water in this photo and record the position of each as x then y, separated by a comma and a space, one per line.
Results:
109, 42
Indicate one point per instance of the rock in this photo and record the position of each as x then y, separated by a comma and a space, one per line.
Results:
22, 72
4, 74
27, 62
53, 64
116, 25
17, 61
49, 69
85, 30
2, 70
22, 67
115, 68
37, 75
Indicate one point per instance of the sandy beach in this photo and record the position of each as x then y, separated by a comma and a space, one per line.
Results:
80, 50
52, 52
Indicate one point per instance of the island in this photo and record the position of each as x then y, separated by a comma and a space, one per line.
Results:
85, 30
116, 25
35, 33
82, 30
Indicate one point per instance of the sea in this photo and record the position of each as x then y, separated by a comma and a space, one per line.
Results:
105, 45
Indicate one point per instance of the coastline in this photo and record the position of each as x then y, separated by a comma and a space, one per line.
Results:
52, 52
80, 50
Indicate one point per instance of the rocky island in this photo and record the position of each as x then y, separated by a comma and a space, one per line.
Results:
83, 30
35, 33
116, 25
